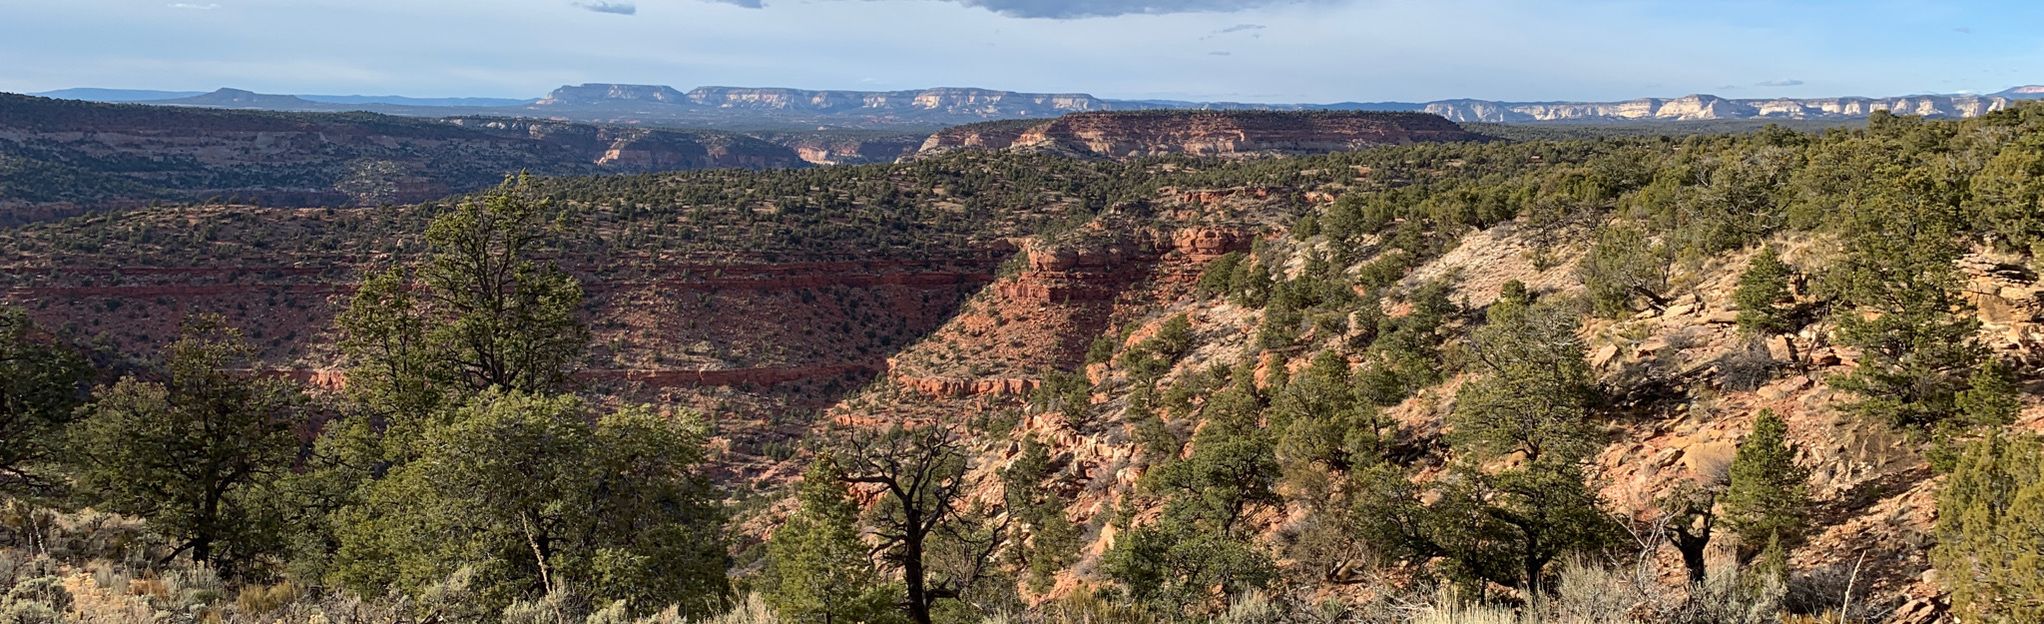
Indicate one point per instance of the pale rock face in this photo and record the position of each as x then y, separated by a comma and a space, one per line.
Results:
984, 102
1710, 107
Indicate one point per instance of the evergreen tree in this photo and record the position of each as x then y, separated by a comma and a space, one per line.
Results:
1052, 539
1624, 266
1535, 395
1198, 545
1766, 305
1322, 421
1768, 498
1990, 531
42, 382
1992, 399
482, 311
487, 313
1915, 333
818, 570
1506, 524
2008, 196
542, 498
196, 455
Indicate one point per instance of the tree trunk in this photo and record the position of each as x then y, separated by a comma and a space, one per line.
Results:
1692, 547
539, 555
202, 548
912, 573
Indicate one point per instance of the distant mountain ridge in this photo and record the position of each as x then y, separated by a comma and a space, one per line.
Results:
150, 96
929, 109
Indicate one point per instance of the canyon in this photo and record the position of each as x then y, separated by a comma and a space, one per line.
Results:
1014, 279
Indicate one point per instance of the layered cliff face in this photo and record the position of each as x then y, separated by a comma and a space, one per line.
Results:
1201, 133
818, 148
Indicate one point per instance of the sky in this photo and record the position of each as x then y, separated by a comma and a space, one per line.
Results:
1212, 50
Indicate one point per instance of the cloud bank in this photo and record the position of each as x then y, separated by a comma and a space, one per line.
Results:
1073, 9
1078, 9
613, 8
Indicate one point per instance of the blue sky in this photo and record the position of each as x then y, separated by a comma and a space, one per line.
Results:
1247, 50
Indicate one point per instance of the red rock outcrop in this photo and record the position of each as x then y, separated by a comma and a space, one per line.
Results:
952, 387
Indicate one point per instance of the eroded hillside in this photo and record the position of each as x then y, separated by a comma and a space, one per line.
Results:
1181, 381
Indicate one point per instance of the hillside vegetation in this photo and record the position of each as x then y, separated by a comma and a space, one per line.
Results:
1768, 377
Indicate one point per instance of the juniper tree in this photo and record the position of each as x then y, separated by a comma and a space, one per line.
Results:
1767, 307
1052, 541
1992, 399
543, 496
2007, 197
482, 310
1506, 524
197, 453
817, 569
1535, 391
1624, 266
1990, 530
1915, 333
1322, 422
1768, 498
1198, 545
42, 382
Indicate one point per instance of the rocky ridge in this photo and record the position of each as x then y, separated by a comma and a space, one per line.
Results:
1200, 133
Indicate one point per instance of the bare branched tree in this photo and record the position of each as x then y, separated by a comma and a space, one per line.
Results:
920, 472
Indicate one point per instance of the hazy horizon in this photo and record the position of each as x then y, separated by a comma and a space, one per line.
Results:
1303, 51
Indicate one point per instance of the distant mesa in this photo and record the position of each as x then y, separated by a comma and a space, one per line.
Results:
238, 98
117, 96
2026, 92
